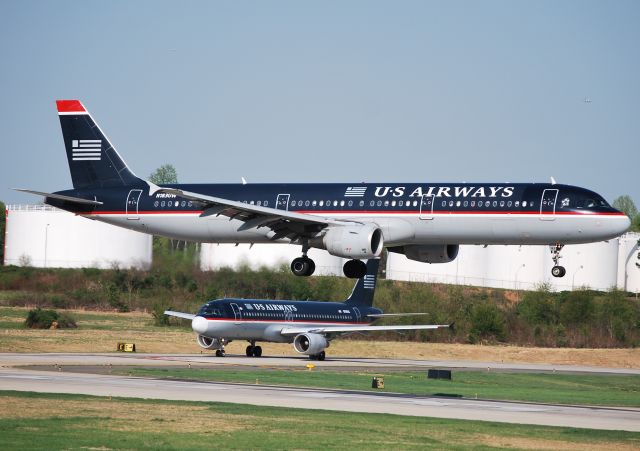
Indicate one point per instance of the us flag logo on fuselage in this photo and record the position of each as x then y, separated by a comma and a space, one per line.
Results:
370, 281
355, 191
86, 149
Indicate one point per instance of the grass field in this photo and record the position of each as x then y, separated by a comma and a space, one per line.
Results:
42, 421
100, 331
601, 390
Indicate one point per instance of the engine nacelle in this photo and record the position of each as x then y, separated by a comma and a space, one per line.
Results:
431, 253
359, 242
208, 343
310, 344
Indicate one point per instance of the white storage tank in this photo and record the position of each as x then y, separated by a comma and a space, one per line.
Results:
515, 267
629, 263
214, 256
43, 236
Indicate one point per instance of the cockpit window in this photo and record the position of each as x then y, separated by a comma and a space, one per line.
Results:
211, 311
592, 202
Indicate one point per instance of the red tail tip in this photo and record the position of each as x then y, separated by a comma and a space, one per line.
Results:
70, 106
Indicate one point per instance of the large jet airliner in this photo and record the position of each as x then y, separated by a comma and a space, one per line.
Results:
309, 325
424, 221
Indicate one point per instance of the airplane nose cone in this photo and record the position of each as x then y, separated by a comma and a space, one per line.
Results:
623, 223
199, 325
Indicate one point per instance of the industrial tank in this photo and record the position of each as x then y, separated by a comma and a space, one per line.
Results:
43, 236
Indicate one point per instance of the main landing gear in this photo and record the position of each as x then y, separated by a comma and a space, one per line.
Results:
304, 266
320, 356
253, 350
557, 270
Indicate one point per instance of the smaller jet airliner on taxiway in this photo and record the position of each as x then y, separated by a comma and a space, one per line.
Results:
309, 325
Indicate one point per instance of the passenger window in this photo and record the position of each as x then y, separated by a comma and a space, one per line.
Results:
379, 203
306, 203
524, 203
362, 203
155, 204
393, 203
342, 203
531, 204
314, 203
335, 203
386, 203
293, 203
517, 203
473, 203
265, 203
457, 203
321, 203
495, 203
350, 203
444, 203
190, 203
259, 203
182, 204
162, 204
415, 203
501, 203
451, 203
400, 203
372, 203
466, 203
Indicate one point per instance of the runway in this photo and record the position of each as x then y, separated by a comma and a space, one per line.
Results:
334, 363
507, 412
53, 377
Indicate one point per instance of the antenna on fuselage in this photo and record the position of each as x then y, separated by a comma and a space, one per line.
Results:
553, 181
244, 181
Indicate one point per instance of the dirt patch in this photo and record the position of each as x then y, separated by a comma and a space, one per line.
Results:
124, 416
545, 444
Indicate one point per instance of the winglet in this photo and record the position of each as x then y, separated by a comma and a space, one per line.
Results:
70, 107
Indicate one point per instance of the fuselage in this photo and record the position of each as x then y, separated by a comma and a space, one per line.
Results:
261, 320
407, 213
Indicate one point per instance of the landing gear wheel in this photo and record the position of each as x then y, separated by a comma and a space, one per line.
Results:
303, 266
249, 351
558, 271
354, 269
320, 356
220, 353
257, 351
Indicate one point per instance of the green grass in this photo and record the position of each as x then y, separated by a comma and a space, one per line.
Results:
77, 421
601, 390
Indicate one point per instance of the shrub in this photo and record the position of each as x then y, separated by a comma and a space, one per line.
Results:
43, 319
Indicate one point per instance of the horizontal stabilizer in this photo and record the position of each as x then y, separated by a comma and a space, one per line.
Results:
393, 315
77, 200
349, 329
179, 314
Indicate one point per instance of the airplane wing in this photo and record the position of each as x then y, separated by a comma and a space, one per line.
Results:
283, 223
179, 314
347, 329
77, 200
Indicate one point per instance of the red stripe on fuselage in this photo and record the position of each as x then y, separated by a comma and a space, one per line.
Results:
280, 321
374, 212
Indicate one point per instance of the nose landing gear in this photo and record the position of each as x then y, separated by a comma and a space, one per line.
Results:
557, 270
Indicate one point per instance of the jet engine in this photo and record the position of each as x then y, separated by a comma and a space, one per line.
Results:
209, 343
310, 344
357, 241
433, 253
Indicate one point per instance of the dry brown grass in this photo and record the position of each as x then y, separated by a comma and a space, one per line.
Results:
136, 327
136, 416
543, 444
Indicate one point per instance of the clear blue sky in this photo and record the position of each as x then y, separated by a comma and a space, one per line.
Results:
328, 91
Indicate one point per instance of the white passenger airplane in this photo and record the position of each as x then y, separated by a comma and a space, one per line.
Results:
424, 221
309, 325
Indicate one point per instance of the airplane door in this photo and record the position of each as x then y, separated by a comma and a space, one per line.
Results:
426, 206
282, 202
548, 204
237, 313
132, 204
356, 310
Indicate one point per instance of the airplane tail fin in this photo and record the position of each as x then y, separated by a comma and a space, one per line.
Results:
93, 161
365, 287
